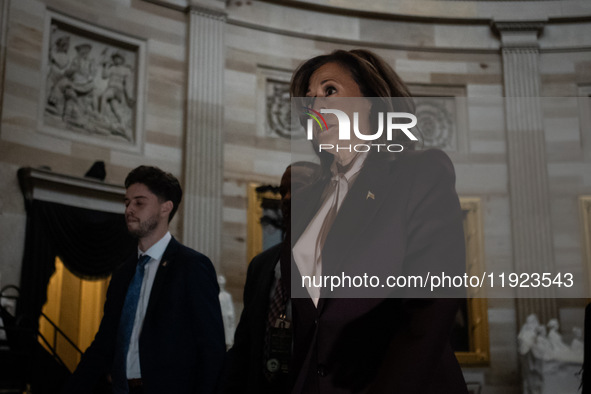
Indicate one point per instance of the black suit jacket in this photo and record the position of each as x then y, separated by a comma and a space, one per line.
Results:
400, 217
244, 361
182, 342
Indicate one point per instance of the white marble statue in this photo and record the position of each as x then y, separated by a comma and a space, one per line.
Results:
560, 350
577, 343
527, 335
228, 315
550, 365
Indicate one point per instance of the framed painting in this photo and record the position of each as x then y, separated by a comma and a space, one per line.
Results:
93, 82
264, 219
470, 334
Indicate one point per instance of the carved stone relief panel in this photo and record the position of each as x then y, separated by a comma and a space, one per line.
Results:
441, 116
93, 84
436, 118
277, 109
274, 105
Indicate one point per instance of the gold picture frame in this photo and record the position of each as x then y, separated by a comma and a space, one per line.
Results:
476, 306
254, 244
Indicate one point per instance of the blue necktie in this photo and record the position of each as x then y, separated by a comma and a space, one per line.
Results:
126, 321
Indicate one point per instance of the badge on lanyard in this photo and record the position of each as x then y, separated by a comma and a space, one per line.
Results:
280, 341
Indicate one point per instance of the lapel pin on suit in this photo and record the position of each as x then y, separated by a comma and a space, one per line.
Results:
165, 263
370, 195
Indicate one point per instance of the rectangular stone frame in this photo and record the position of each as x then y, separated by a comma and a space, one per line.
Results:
101, 126
457, 93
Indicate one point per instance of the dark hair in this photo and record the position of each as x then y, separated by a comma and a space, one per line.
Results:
163, 184
303, 173
374, 77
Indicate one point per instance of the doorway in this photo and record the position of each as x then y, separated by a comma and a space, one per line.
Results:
75, 305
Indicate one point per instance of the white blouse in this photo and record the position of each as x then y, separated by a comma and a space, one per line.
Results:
307, 251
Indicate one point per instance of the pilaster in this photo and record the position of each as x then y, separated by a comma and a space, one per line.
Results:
531, 225
203, 176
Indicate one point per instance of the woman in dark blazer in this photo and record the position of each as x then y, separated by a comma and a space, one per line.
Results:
376, 213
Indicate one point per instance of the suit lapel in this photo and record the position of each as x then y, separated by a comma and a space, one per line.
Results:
268, 277
128, 270
364, 199
359, 208
368, 194
161, 274
126, 273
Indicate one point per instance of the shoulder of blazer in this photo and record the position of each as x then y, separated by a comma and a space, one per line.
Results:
125, 271
179, 255
268, 254
434, 160
175, 249
266, 260
418, 168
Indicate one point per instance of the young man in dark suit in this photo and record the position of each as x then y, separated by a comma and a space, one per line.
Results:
162, 329
251, 366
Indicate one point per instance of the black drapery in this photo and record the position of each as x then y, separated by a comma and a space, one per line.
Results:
91, 244
271, 207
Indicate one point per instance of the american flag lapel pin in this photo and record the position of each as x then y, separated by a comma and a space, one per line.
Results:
370, 195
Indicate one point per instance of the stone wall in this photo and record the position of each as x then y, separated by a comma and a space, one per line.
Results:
22, 141
439, 48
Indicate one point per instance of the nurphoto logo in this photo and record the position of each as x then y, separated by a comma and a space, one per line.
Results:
391, 120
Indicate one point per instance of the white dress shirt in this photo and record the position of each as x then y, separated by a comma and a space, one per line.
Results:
307, 252
133, 354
